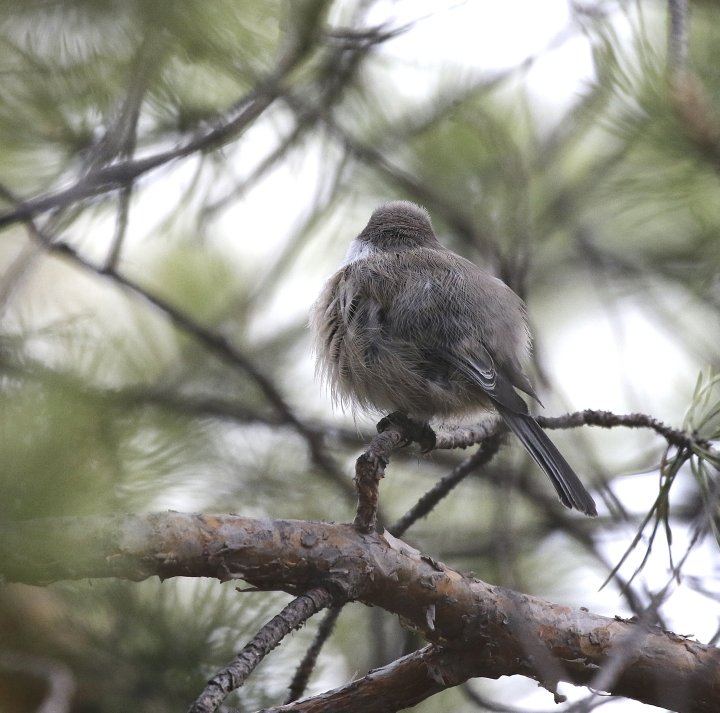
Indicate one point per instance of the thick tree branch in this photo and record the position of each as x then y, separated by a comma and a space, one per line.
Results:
401, 684
466, 617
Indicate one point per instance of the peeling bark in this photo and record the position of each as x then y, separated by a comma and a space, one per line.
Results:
475, 629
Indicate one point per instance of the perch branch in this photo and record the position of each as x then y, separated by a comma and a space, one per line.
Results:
474, 623
607, 419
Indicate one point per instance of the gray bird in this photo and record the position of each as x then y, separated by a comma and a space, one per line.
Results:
407, 325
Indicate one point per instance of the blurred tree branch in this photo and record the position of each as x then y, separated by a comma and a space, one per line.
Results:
104, 177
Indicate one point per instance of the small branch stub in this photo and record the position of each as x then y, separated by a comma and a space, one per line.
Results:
395, 430
369, 470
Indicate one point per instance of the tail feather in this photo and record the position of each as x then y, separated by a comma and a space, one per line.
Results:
571, 491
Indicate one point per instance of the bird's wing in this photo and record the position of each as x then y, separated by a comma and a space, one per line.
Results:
481, 371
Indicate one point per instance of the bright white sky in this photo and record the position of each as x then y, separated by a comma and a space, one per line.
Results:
491, 35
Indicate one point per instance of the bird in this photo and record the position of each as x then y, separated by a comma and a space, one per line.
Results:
408, 326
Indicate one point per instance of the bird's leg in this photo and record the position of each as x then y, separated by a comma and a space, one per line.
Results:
412, 430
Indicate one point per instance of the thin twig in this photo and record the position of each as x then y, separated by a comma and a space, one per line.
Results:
607, 419
305, 669
107, 178
677, 47
213, 341
432, 497
466, 436
338, 70
292, 617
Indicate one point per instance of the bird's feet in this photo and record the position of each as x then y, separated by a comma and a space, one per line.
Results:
412, 430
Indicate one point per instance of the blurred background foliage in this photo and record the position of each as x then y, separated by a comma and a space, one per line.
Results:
594, 194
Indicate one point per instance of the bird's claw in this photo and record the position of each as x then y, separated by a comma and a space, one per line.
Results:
412, 430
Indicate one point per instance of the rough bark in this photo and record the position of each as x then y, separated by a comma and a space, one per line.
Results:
476, 629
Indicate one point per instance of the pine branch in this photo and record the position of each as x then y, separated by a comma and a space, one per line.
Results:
108, 177
306, 666
292, 617
432, 497
607, 419
475, 629
215, 342
677, 52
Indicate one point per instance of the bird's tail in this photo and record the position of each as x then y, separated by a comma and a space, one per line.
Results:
571, 491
